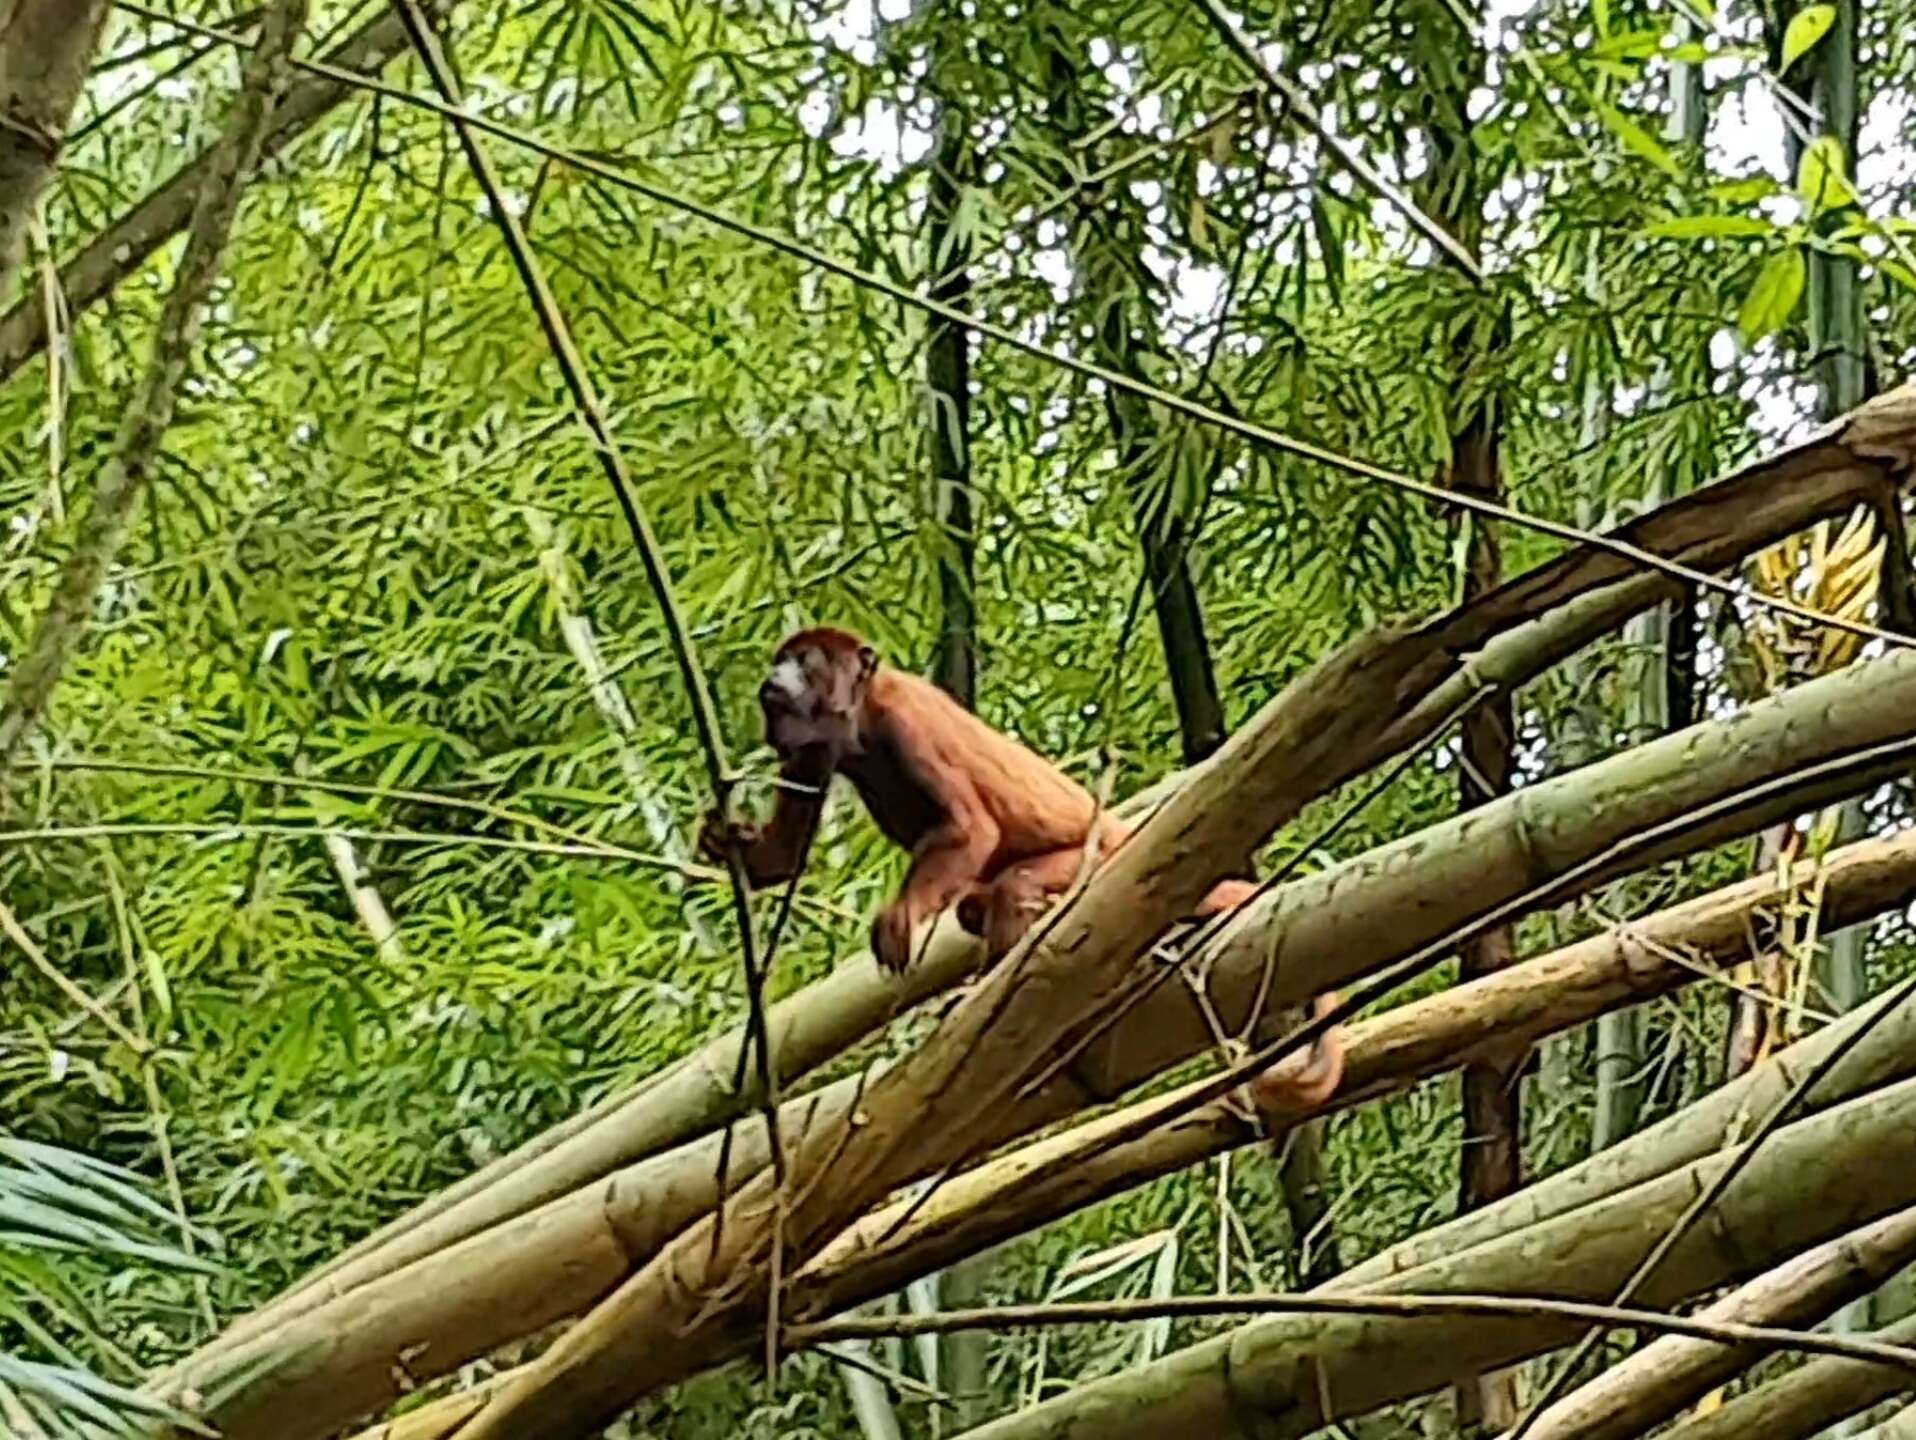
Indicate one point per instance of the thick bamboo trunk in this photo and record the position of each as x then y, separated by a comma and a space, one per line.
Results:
475, 1296
1803, 1402
1659, 1381
1357, 916
1287, 1377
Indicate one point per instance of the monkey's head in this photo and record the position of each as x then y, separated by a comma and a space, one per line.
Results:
814, 699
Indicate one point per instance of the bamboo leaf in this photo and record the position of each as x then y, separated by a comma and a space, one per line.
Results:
1772, 299
1710, 227
1806, 27
1639, 141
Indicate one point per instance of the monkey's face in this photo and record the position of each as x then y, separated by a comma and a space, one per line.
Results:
814, 700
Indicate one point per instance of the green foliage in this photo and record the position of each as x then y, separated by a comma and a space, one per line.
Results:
69, 1223
1806, 27
1772, 299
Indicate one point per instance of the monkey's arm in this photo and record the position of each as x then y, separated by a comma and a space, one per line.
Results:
945, 866
771, 852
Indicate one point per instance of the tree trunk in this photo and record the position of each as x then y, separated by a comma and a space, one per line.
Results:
962, 1356
1491, 1160
948, 399
45, 49
1162, 536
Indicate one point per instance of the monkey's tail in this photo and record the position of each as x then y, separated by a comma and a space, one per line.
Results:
1306, 1082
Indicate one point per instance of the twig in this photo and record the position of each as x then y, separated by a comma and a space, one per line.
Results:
233, 829
1264, 435
431, 798
16, 932
892, 1379
150, 1081
1407, 1306
133, 97
757, 1033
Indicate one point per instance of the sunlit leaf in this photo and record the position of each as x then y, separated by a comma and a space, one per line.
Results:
1806, 27
1822, 177
1639, 141
1772, 298
1710, 227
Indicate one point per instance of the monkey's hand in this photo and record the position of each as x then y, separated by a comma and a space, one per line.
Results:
718, 837
973, 907
891, 936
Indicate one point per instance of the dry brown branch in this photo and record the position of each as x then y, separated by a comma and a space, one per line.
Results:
1707, 1331
45, 48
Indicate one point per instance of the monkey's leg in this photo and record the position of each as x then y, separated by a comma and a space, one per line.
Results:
1023, 892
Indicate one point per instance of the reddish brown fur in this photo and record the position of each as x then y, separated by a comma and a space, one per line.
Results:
1304, 1082
993, 827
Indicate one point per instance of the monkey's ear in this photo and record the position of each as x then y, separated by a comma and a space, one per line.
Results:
867, 662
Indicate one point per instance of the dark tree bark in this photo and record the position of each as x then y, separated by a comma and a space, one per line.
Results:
1491, 1165
45, 48
948, 394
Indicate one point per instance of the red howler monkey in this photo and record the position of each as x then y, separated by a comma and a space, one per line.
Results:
993, 828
